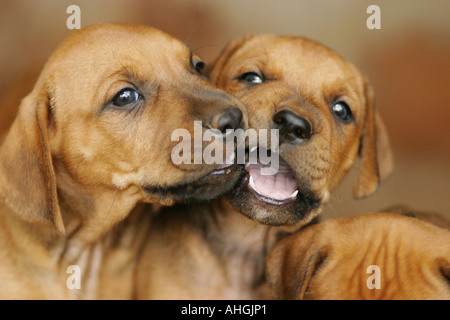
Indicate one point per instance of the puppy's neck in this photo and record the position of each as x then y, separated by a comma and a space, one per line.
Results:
223, 251
90, 211
242, 245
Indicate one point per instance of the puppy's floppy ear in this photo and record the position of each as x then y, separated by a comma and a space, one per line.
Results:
445, 270
375, 151
27, 178
215, 69
307, 272
291, 265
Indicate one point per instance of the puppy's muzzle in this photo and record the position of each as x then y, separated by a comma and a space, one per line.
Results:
280, 198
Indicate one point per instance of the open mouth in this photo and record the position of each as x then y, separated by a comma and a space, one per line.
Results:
272, 185
276, 187
273, 196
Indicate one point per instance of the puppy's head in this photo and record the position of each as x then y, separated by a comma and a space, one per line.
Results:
324, 112
107, 111
371, 256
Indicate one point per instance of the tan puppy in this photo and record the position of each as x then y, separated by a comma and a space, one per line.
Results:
90, 142
324, 110
372, 256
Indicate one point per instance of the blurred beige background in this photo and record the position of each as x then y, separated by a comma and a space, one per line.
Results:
407, 62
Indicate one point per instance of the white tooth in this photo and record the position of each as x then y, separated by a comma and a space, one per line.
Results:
294, 194
252, 183
247, 165
253, 148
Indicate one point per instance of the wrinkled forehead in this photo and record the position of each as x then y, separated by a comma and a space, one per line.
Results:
94, 63
96, 53
297, 60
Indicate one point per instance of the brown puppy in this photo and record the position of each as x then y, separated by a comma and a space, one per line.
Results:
372, 256
90, 142
324, 111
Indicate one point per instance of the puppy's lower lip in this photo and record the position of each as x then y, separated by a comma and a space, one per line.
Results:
210, 186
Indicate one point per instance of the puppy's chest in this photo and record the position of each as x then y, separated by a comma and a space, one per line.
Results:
245, 277
238, 272
103, 270
84, 272
240, 250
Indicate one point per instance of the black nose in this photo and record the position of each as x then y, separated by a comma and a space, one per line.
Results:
231, 118
293, 128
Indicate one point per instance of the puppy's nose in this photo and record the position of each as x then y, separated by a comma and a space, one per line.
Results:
231, 118
293, 128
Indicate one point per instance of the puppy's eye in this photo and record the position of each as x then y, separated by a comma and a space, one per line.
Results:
199, 66
251, 77
126, 97
342, 111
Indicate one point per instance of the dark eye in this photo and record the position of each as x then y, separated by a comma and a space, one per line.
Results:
251, 77
126, 97
198, 66
342, 111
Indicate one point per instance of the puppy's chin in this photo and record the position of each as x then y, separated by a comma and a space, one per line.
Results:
296, 211
208, 187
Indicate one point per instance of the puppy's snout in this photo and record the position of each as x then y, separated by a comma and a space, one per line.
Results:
293, 128
231, 118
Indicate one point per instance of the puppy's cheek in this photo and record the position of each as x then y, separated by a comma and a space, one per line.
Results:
123, 181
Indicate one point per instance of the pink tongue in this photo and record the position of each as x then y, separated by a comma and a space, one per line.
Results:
279, 186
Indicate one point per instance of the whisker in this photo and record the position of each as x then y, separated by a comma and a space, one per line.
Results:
333, 212
114, 200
